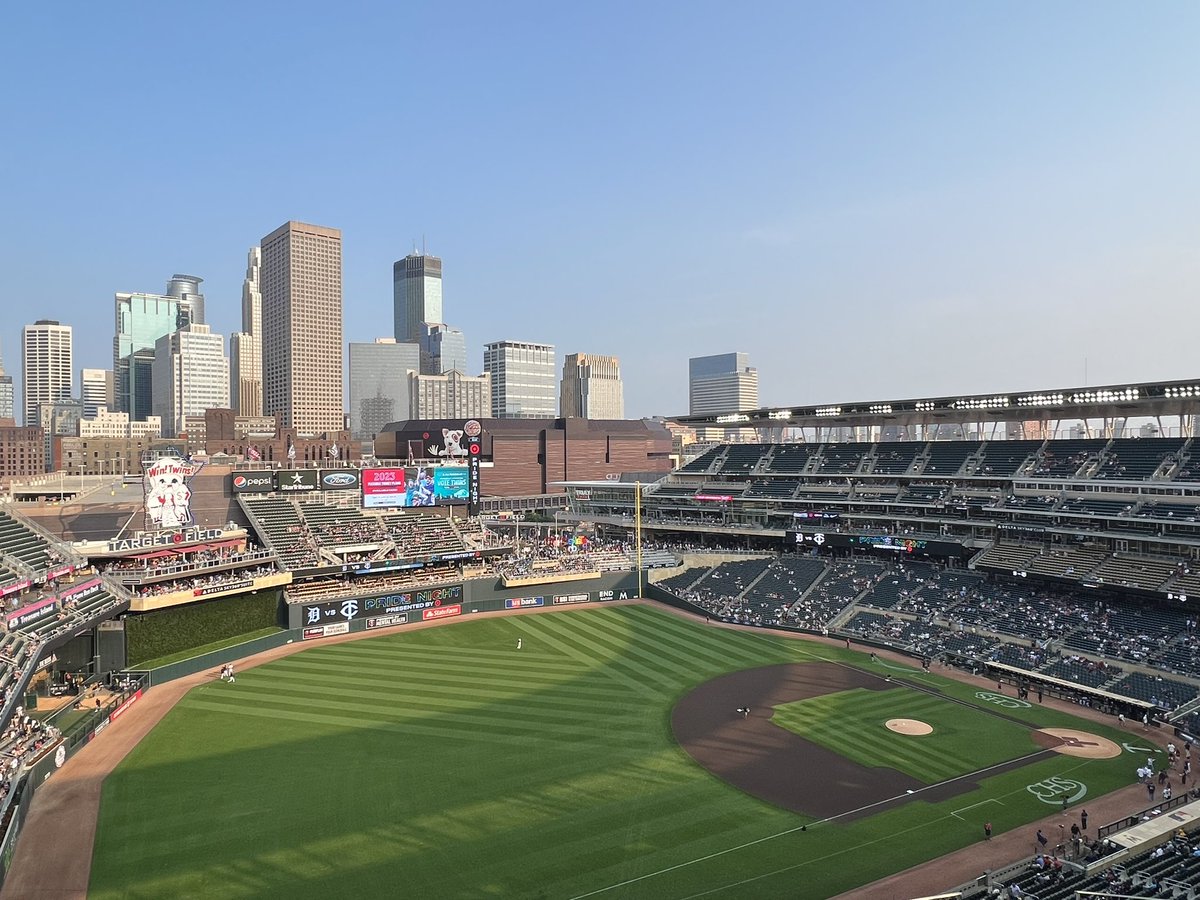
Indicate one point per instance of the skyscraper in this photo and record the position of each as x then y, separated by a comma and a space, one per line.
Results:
443, 349
301, 282
7, 396
379, 392
141, 319
190, 375
721, 384
95, 390
186, 291
46, 366
416, 295
449, 396
591, 387
523, 379
245, 347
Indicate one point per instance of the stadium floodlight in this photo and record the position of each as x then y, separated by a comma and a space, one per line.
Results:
881, 409
829, 411
925, 406
732, 418
780, 414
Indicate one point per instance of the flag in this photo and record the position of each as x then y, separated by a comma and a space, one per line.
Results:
333, 450
291, 451
252, 453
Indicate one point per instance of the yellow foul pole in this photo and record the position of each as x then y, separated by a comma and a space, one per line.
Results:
637, 520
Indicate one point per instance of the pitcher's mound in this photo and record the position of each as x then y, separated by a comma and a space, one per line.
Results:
908, 726
1076, 743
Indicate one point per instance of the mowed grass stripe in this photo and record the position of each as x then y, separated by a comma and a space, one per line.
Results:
564, 637
853, 723
465, 713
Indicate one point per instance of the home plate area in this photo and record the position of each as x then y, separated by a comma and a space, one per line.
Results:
1072, 742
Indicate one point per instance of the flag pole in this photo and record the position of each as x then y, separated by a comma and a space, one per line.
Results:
637, 518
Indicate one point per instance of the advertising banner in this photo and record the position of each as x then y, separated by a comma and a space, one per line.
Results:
256, 482
450, 485
339, 480
82, 591
383, 488
524, 602
321, 631
421, 490
34, 612
293, 480
383, 604
441, 612
15, 587
387, 621
572, 598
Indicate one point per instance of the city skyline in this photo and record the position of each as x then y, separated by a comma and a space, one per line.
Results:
896, 169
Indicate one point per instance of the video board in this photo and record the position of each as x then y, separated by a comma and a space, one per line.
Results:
414, 486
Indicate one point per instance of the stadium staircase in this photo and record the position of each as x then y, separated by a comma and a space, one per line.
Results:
808, 590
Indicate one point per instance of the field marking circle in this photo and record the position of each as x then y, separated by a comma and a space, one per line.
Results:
908, 726
1073, 742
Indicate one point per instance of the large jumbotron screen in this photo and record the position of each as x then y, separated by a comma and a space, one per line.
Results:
414, 486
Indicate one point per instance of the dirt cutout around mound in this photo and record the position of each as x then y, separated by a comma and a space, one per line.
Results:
908, 726
752, 753
1073, 742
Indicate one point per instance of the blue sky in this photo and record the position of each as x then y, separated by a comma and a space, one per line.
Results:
873, 200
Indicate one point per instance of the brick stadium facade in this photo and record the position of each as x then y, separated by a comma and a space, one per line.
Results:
530, 456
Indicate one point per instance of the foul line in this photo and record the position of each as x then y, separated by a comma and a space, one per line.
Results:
1011, 763
956, 812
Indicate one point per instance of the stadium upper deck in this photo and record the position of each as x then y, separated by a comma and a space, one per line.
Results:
1107, 404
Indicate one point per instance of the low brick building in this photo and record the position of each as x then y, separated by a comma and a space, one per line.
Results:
522, 457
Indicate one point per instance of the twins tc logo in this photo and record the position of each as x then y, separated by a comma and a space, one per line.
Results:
350, 609
1055, 788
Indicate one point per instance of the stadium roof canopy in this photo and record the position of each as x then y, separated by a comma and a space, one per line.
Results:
1114, 401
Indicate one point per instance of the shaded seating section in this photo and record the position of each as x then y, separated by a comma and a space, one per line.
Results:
1022, 501
742, 459
1082, 671
783, 583
896, 458
842, 459
833, 593
1064, 459
680, 582
1137, 459
772, 487
1185, 512
790, 459
947, 457
22, 543
704, 461
1165, 693
1004, 458
1189, 469
1096, 507
926, 494
721, 589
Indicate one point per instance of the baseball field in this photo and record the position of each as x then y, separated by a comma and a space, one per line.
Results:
605, 758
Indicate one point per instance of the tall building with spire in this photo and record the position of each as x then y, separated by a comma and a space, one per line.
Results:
301, 281
416, 295
245, 347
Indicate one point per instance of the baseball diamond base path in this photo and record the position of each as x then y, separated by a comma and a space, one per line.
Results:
750, 751
53, 854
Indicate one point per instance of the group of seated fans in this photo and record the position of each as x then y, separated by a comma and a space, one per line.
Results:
1127, 648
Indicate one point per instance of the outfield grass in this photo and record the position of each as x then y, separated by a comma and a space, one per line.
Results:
446, 763
853, 724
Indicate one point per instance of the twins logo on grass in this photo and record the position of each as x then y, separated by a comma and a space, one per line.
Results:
1053, 789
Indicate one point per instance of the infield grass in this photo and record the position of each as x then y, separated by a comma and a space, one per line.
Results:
853, 723
445, 763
